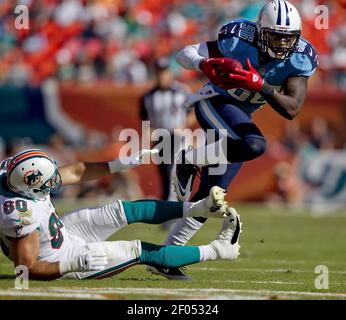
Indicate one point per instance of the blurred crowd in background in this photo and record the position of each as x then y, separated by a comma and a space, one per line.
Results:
116, 40
292, 184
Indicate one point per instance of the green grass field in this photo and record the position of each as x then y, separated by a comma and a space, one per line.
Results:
279, 252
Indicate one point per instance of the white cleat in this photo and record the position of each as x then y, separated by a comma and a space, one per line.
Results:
231, 227
214, 206
225, 250
226, 244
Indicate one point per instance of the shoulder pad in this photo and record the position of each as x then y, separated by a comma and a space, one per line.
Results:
304, 47
17, 217
243, 29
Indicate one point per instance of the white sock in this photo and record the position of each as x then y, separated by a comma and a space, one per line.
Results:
213, 153
183, 231
190, 209
207, 253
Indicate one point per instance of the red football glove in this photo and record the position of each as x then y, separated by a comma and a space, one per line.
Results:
249, 80
218, 69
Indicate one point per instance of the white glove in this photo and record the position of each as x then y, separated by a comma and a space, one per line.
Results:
132, 161
89, 261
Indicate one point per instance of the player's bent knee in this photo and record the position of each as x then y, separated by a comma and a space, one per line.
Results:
248, 148
256, 147
118, 251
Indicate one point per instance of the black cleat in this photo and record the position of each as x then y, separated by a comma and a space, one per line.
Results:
177, 273
184, 177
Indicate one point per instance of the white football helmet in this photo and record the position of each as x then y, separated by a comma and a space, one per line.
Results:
33, 174
278, 27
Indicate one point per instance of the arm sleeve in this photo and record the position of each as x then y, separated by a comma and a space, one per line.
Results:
191, 56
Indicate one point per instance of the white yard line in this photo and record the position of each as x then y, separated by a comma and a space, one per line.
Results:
81, 294
259, 282
39, 293
301, 261
208, 293
279, 270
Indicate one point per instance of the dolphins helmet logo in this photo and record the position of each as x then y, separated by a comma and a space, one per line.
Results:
33, 177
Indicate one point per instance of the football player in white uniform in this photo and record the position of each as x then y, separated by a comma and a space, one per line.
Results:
74, 246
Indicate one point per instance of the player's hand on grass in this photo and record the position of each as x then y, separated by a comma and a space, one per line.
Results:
247, 79
90, 261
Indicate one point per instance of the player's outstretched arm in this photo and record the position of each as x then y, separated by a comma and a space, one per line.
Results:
25, 251
190, 57
287, 104
83, 171
86, 171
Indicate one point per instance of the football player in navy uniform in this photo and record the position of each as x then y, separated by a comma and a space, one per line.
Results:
276, 63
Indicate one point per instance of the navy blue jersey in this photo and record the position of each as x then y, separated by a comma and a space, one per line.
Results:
238, 40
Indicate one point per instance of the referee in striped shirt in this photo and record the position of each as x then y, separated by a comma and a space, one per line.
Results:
164, 107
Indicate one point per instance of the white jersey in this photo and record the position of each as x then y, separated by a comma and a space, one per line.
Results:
68, 237
20, 217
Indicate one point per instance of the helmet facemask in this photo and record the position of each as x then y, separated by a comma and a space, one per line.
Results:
52, 185
278, 44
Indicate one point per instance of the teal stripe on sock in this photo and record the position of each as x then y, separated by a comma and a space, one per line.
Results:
169, 256
152, 211
113, 269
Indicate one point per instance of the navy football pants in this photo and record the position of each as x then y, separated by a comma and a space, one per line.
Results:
244, 140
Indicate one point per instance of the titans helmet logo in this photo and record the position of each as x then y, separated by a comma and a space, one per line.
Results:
33, 177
